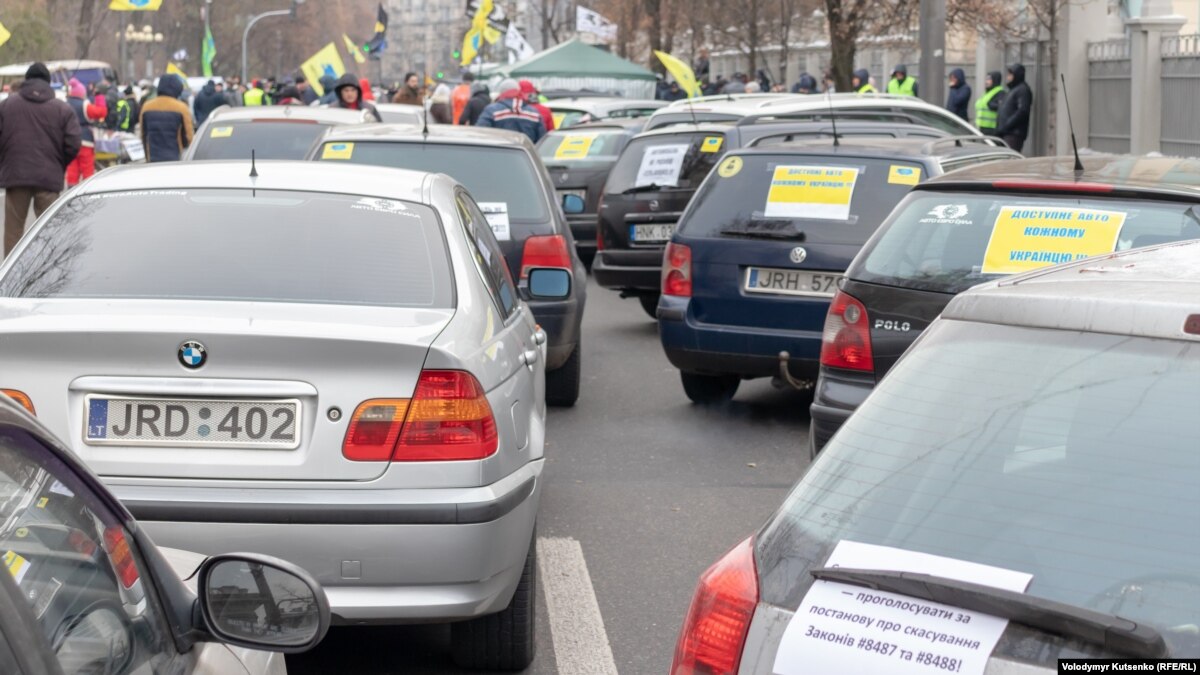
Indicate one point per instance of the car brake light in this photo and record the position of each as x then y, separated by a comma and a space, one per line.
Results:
1051, 185
449, 419
677, 271
21, 398
714, 633
120, 555
846, 342
599, 238
1191, 325
374, 430
548, 250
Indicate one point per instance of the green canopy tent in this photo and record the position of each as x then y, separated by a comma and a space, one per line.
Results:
574, 65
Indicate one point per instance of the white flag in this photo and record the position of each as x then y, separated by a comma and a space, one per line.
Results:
517, 42
587, 21
180, 55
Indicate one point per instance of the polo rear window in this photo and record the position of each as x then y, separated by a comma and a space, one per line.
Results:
268, 140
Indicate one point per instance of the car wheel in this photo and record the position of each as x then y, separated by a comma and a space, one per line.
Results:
650, 304
707, 389
502, 641
562, 384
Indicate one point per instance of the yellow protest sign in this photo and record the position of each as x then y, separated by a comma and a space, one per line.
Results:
899, 174
338, 151
558, 119
730, 167
1028, 237
820, 192
135, 5
4, 34
175, 70
16, 565
221, 132
327, 61
712, 144
574, 146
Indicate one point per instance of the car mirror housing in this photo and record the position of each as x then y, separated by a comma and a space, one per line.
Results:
261, 602
549, 283
573, 204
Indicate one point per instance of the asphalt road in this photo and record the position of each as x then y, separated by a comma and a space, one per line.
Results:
652, 488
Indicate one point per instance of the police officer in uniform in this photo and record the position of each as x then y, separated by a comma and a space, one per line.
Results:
987, 105
860, 82
901, 84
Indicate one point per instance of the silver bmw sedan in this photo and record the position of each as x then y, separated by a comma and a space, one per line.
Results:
329, 364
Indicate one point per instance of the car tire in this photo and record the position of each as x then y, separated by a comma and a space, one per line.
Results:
562, 384
650, 304
502, 641
709, 389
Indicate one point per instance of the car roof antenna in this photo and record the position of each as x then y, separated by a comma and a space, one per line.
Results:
425, 118
1071, 126
832, 118
253, 166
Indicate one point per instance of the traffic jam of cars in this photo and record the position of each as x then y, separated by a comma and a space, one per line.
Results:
337, 353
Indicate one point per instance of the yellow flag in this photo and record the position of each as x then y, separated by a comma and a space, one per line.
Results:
135, 5
325, 62
174, 70
479, 32
353, 49
4, 34
682, 73
470, 47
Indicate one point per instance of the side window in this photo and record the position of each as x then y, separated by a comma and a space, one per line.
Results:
488, 255
76, 566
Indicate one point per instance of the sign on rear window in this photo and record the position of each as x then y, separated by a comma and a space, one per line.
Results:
820, 192
1025, 238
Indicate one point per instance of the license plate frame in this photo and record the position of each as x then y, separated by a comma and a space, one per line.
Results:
667, 228
218, 410
827, 284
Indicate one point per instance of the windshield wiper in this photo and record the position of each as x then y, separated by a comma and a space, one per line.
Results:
650, 188
765, 229
1109, 631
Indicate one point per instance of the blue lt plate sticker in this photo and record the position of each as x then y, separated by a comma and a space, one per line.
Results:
97, 418
753, 278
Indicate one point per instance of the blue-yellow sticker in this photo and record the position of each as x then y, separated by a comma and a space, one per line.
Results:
904, 175
712, 144
338, 151
221, 132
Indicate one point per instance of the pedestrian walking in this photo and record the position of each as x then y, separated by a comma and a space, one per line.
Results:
986, 106
480, 98
39, 136
807, 84
127, 111
439, 105
701, 67
207, 101
531, 96
254, 96
410, 91
958, 96
511, 112
328, 83
901, 84
461, 96
860, 82
289, 95
166, 122
1012, 123
350, 96
89, 115
307, 95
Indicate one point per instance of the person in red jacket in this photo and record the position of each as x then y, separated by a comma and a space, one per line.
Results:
84, 164
530, 94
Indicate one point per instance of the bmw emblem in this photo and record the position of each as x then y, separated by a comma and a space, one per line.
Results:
192, 354
798, 255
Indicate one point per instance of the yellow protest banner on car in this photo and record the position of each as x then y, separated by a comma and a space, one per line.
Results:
575, 146
1028, 237
899, 174
327, 61
338, 151
821, 192
712, 144
221, 132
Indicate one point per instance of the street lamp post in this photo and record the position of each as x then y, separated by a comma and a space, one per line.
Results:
256, 19
145, 36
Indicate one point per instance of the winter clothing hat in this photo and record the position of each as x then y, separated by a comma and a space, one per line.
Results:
441, 94
901, 69
75, 88
508, 84
38, 71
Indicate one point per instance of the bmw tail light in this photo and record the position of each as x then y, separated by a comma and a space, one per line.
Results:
714, 633
846, 342
374, 429
21, 398
449, 419
677, 271
545, 251
120, 555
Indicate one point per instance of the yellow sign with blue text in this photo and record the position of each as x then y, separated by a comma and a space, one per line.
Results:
817, 192
221, 132
712, 144
337, 151
898, 174
575, 146
1028, 237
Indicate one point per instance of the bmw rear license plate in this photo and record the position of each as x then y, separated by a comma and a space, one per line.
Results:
195, 423
791, 282
645, 234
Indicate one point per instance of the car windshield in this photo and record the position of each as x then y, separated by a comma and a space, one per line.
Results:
237, 245
599, 145
680, 161
268, 140
951, 241
811, 198
1069, 456
495, 177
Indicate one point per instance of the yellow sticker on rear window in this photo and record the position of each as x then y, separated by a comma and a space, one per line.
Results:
41, 503
558, 119
730, 167
221, 132
338, 151
1028, 237
16, 565
574, 146
904, 175
712, 144
819, 192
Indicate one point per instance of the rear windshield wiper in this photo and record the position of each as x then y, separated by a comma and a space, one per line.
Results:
1109, 631
765, 229
653, 187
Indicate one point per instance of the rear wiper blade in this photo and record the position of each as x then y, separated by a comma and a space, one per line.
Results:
765, 229
1109, 631
642, 188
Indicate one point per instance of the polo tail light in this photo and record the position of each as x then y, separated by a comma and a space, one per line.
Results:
677, 271
122, 558
545, 251
846, 342
449, 419
714, 633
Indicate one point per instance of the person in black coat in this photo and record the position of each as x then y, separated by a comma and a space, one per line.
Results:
207, 101
1012, 124
958, 98
480, 98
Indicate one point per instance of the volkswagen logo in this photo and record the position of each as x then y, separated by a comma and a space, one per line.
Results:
562, 177
192, 354
653, 204
798, 255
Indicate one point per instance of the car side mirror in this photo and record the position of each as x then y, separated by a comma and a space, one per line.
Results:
549, 283
573, 204
260, 602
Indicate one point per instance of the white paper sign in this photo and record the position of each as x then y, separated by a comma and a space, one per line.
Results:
661, 165
497, 216
842, 628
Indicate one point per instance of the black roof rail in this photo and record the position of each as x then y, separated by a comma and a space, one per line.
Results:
959, 142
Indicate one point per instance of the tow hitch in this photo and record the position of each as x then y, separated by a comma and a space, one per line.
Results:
784, 378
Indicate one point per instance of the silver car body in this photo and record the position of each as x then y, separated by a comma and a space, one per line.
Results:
389, 542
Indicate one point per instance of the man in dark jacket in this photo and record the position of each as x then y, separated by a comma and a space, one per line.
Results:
39, 136
1012, 122
349, 95
511, 112
207, 101
166, 122
807, 84
481, 98
958, 98
328, 82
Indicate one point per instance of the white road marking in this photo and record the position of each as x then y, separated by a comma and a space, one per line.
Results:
580, 642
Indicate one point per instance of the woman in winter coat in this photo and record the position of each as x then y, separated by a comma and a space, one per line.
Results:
439, 111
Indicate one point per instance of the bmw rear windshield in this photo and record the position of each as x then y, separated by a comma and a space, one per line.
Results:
236, 245
950, 241
283, 139
819, 199
669, 161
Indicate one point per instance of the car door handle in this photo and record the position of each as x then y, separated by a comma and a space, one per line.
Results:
539, 337
529, 357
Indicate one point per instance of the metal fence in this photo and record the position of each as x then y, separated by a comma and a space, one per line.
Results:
1035, 56
1180, 91
1109, 93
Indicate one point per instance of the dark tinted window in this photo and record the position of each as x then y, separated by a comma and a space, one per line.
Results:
686, 157
493, 176
777, 196
951, 241
580, 145
265, 246
268, 140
